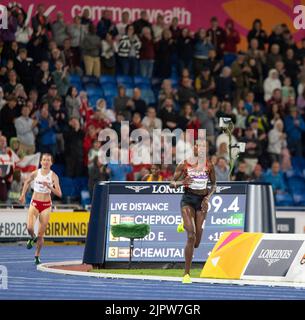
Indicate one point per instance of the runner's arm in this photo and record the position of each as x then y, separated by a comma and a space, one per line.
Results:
26, 184
179, 172
212, 179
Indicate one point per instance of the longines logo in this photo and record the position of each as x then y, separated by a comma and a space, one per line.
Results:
137, 189
272, 256
219, 189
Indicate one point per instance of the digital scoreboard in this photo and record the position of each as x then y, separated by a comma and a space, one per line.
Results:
162, 213
158, 205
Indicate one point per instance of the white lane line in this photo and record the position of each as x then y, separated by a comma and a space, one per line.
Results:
45, 267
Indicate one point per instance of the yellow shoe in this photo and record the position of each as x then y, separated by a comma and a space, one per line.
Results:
186, 279
180, 228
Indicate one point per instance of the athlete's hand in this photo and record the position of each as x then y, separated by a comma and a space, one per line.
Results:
205, 204
22, 199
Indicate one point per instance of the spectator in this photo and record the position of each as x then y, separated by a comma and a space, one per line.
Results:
167, 91
91, 135
8, 34
136, 122
91, 47
142, 22
158, 28
206, 117
77, 32
123, 103
109, 49
150, 121
2, 100
222, 170
8, 160
51, 95
25, 69
225, 85
60, 117
26, 129
257, 175
154, 175
109, 115
175, 29
241, 114
271, 83
276, 37
59, 29
9, 87
61, 78
241, 174
253, 150
38, 46
300, 103
16, 187
117, 171
93, 153
291, 67
43, 78
287, 90
202, 45
129, 52
275, 177
8, 114
147, 53
46, 131
97, 172
56, 54
258, 33
164, 50
168, 115
121, 27
294, 126
232, 38
186, 93
214, 63
73, 103
23, 32
185, 48
277, 141
106, 25
241, 74
217, 36
139, 104
85, 18
40, 21
74, 149
205, 84
273, 57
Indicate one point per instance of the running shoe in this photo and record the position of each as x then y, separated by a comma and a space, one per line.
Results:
186, 279
180, 228
37, 260
30, 243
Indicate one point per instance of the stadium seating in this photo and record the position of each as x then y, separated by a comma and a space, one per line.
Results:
127, 81
284, 200
105, 79
69, 192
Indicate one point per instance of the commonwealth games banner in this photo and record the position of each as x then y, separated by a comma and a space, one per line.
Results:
257, 256
66, 225
194, 14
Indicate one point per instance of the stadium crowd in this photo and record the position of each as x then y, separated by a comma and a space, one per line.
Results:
61, 83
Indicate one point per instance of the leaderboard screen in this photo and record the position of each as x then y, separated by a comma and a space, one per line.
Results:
162, 212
